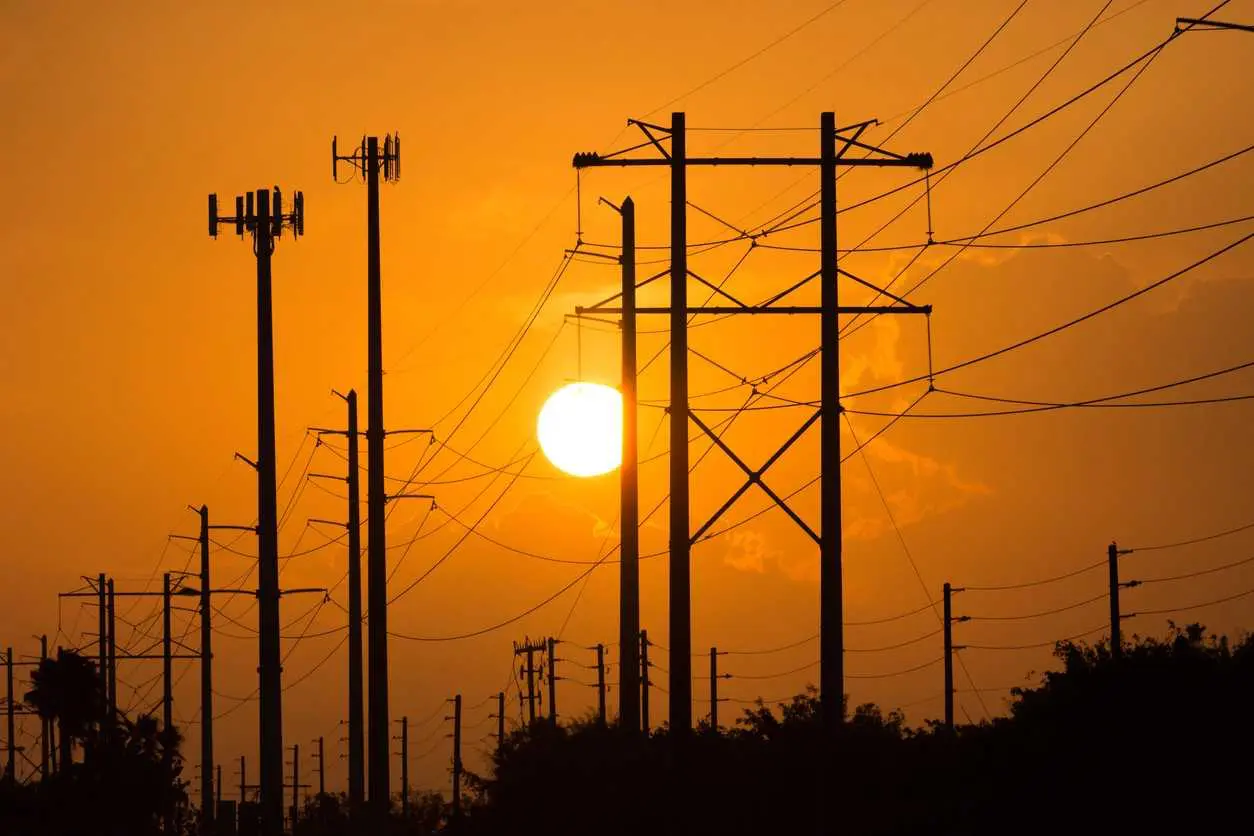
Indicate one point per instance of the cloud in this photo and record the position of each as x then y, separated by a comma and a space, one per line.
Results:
927, 488
747, 550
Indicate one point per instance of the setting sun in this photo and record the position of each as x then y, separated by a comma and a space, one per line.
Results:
581, 428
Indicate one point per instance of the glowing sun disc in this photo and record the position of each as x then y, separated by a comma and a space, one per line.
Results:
581, 429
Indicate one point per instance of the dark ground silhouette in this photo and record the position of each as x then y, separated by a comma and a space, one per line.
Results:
1157, 742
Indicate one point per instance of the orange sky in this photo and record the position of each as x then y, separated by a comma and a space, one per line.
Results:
129, 347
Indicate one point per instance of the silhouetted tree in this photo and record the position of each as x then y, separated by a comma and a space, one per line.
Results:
127, 780
1155, 742
67, 689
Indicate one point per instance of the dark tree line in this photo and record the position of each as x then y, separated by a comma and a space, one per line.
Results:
1157, 741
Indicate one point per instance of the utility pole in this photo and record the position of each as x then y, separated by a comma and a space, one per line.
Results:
1113, 552
208, 808
457, 757
45, 725
601, 683
552, 655
322, 768
295, 783
111, 683
167, 697
371, 163
266, 221
947, 594
404, 721
831, 676
166, 641
500, 720
102, 645
644, 682
715, 676
629, 490
10, 764
243, 780
10, 746
218, 795
356, 709
530, 648
208, 811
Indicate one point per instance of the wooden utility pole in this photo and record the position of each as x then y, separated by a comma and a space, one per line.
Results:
295, 783
45, 725
529, 649
1113, 553
500, 719
166, 656
601, 684
167, 697
10, 763
256, 214
551, 645
205, 611
322, 768
675, 157
243, 780
629, 490
457, 757
102, 634
207, 811
10, 745
356, 698
715, 676
645, 682
404, 721
1112, 562
950, 648
111, 681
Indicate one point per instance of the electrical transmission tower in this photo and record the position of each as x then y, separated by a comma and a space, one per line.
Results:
265, 221
670, 147
374, 165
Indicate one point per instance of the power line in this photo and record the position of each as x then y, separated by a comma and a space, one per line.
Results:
1061, 327
1195, 540
976, 240
1042, 582
752, 56
902, 540
1051, 643
1197, 573
851, 328
1198, 606
1040, 614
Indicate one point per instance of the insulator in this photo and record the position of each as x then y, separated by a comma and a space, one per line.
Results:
213, 216
335, 158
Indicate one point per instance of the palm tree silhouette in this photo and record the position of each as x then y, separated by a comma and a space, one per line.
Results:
68, 690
